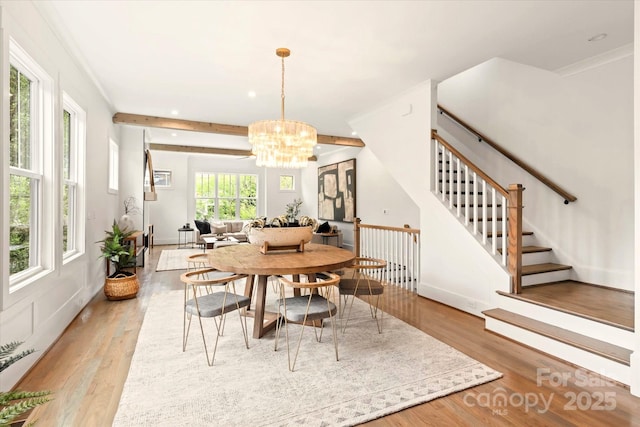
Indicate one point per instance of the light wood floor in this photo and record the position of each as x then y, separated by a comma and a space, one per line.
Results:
88, 365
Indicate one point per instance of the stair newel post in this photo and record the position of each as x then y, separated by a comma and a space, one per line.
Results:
514, 247
356, 236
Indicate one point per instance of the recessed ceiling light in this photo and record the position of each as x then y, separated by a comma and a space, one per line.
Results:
175, 112
318, 147
252, 94
598, 37
174, 134
354, 133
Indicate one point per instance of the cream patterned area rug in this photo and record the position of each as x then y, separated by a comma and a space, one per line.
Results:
377, 374
175, 259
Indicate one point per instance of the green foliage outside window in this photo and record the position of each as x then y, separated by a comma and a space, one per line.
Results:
287, 183
21, 188
66, 171
235, 196
20, 120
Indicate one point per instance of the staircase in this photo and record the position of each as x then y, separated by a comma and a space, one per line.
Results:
588, 325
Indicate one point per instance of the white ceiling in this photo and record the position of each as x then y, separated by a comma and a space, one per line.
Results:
203, 57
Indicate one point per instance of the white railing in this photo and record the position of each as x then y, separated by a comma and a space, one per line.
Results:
398, 246
478, 201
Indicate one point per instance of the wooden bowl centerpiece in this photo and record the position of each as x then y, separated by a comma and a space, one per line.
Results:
279, 234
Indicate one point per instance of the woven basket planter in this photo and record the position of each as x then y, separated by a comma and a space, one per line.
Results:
121, 286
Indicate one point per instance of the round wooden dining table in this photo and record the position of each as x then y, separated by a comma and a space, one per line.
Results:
247, 259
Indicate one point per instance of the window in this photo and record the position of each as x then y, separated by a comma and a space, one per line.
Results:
30, 172
113, 166
161, 179
73, 144
226, 196
287, 183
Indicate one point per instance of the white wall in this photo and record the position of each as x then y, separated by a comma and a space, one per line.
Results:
41, 312
456, 270
635, 356
576, 129
175, 205
131, 150
376, 190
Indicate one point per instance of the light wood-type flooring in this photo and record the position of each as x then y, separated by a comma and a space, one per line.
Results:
88, 365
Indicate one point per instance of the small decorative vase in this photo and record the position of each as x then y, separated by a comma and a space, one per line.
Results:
126, 223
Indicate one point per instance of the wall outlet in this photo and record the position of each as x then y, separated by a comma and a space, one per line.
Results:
471, 303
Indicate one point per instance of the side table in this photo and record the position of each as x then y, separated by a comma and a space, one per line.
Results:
188, 234
327, 236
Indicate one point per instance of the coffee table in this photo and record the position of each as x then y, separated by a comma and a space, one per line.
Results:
214, 242
247, 259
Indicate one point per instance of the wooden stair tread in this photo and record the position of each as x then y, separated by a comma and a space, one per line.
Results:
499, 233
532, 249
611, 306
546, 267
592, 345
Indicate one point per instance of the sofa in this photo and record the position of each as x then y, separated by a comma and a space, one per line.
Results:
231, 228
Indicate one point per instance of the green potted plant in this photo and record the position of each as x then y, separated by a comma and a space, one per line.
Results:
15, 403
293, 210
121, 284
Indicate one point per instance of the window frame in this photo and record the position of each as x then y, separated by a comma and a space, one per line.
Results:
162, 178
112, 180
217, 198
75, 180
41, 172
293, 183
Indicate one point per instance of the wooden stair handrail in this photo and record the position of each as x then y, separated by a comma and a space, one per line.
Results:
568, 197
514, 216
476, 169
357, 225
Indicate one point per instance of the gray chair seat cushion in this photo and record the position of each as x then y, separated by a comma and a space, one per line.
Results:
365, 287
318, 309
211, 305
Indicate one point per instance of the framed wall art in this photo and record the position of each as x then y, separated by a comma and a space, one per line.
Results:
337, 191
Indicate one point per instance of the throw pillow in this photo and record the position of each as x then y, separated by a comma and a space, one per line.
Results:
218, 229
324, 228
203, 227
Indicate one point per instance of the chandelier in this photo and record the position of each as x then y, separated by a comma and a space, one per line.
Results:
282, 143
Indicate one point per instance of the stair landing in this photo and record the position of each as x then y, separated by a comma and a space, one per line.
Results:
603, 349
611, 306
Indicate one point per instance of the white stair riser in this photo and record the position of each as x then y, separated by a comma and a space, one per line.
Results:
577, 324
527, 240
553, 276
489, 223
536, 258
463, 199
598, 364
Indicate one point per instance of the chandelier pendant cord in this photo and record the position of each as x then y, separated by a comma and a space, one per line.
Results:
282, 91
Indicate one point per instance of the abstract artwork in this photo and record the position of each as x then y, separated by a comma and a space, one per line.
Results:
337, 191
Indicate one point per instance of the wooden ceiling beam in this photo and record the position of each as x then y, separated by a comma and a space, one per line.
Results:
207, 127
206, 150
